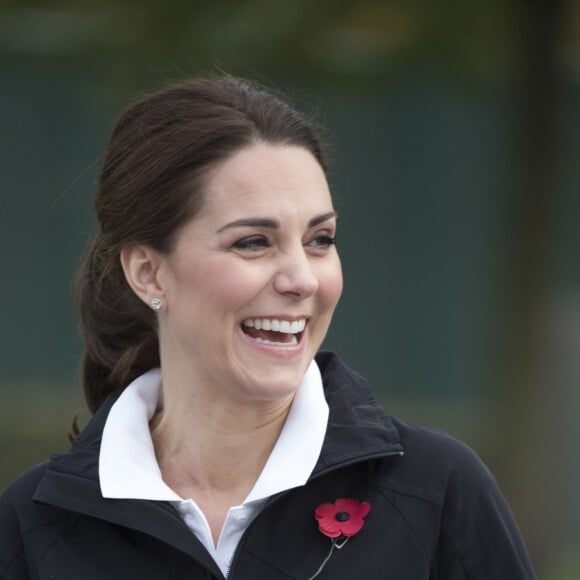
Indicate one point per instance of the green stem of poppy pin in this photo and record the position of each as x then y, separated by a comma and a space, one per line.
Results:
334, 544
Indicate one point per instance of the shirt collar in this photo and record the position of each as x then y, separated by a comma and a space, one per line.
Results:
128, 468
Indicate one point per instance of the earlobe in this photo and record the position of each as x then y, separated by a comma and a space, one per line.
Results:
140, 265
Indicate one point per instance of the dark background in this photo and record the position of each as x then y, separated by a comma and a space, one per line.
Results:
455, 132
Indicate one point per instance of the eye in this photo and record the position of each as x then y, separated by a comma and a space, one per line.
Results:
322, 241
251, 243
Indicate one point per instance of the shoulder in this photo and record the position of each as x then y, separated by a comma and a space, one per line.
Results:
25, 524
435, 455
19, 494
454, 504
19, 512
433, 468
16, 507
478, 536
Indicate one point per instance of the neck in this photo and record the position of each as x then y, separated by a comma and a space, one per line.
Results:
204, 442
213, 452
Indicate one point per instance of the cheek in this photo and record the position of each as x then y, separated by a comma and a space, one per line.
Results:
224, 283
330, 288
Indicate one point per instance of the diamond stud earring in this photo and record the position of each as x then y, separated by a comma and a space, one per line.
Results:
157, 304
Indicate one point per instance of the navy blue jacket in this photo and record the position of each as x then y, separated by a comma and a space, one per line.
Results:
436, 512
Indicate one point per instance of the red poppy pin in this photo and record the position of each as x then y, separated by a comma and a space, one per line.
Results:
339, 521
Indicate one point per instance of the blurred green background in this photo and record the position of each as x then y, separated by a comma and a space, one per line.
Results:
455, 134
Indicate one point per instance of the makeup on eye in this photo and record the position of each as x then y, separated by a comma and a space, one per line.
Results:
323, 241
251, 243
254, 243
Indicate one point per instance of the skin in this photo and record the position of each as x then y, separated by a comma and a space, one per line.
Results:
260, 247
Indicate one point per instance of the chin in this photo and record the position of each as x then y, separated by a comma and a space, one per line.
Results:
265, 389
275, 376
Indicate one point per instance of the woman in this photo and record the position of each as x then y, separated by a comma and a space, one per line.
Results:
223, 443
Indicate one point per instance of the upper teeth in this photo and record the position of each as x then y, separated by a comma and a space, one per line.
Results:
276, 325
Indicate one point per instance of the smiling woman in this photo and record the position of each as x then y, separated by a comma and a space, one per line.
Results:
220, 431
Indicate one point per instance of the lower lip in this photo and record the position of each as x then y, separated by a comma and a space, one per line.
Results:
281, 349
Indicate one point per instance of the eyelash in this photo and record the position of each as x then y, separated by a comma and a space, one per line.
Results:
256, 243
251, 243
324, 241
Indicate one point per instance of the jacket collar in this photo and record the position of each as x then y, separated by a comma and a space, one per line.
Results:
358, 430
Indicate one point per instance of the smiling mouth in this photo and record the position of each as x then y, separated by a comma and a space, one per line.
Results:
274, 331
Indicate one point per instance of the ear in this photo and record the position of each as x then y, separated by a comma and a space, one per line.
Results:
141, 265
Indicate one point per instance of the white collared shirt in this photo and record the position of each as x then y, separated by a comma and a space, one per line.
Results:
128, 467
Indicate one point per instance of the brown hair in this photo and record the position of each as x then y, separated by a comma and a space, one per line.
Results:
151, 183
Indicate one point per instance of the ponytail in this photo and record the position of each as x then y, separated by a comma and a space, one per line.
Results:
119, 331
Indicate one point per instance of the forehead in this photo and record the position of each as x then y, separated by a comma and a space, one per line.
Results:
263, 178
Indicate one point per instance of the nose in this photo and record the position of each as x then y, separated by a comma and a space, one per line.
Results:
295, 276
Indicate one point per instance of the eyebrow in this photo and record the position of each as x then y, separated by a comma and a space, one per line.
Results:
273, 224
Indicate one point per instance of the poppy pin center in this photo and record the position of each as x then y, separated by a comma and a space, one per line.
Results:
342, 516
